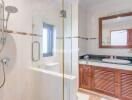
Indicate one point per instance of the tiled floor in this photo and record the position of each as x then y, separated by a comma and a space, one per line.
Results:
93, 96
83, 96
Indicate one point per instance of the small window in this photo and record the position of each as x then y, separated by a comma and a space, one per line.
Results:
48, 31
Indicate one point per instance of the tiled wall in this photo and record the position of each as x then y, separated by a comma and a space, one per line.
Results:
82, 29
40, 16
18, 49
17, 21
18, 77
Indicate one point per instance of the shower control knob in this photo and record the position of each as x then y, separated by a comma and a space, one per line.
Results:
5, 61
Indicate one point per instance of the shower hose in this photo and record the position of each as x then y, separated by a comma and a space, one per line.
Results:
3, 69
3, 45
3, 64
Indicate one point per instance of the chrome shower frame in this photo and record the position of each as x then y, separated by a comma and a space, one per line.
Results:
3, 22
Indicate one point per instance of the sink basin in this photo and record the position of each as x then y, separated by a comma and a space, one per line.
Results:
118, 61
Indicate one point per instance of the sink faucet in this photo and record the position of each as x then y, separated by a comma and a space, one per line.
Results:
86, 58
113, 57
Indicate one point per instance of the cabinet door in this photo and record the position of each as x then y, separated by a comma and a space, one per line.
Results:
104, 80
84, 77
126, 85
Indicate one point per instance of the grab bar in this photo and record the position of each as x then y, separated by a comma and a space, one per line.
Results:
33, 59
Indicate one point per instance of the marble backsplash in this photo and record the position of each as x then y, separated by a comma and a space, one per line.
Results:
100, 57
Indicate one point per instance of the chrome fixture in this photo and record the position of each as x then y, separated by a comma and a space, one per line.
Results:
63, 13
86, 58
4, 62
9, 9
38, 43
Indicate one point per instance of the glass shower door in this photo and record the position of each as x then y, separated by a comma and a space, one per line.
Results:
52, 50
47, 49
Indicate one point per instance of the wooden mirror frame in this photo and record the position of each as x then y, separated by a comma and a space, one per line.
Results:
100, 30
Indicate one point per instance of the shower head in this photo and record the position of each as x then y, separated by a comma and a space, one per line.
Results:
11, 9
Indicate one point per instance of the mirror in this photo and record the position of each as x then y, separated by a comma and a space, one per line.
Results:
116, 31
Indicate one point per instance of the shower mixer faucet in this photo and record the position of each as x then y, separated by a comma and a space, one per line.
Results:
5, 61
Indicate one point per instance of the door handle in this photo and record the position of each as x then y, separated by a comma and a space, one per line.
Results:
33, 59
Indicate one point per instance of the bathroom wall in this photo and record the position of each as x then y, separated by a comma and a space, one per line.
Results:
18, 84
104, 9
17, 21
82, 28
41, 16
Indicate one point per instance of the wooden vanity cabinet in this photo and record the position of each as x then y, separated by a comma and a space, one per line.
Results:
85, 76
126, 85
104, 80
112, 82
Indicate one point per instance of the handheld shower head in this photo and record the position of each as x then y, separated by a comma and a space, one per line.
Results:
11, 9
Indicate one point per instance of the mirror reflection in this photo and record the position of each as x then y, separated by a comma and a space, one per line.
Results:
116, 31
119, 37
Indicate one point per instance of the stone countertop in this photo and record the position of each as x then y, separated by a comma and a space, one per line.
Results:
107, 65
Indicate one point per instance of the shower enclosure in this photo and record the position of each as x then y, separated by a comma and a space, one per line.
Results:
51, 71
52, 50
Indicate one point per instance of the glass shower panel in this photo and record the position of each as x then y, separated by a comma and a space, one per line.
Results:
52, 50
46, 49
70, 92
68, 38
